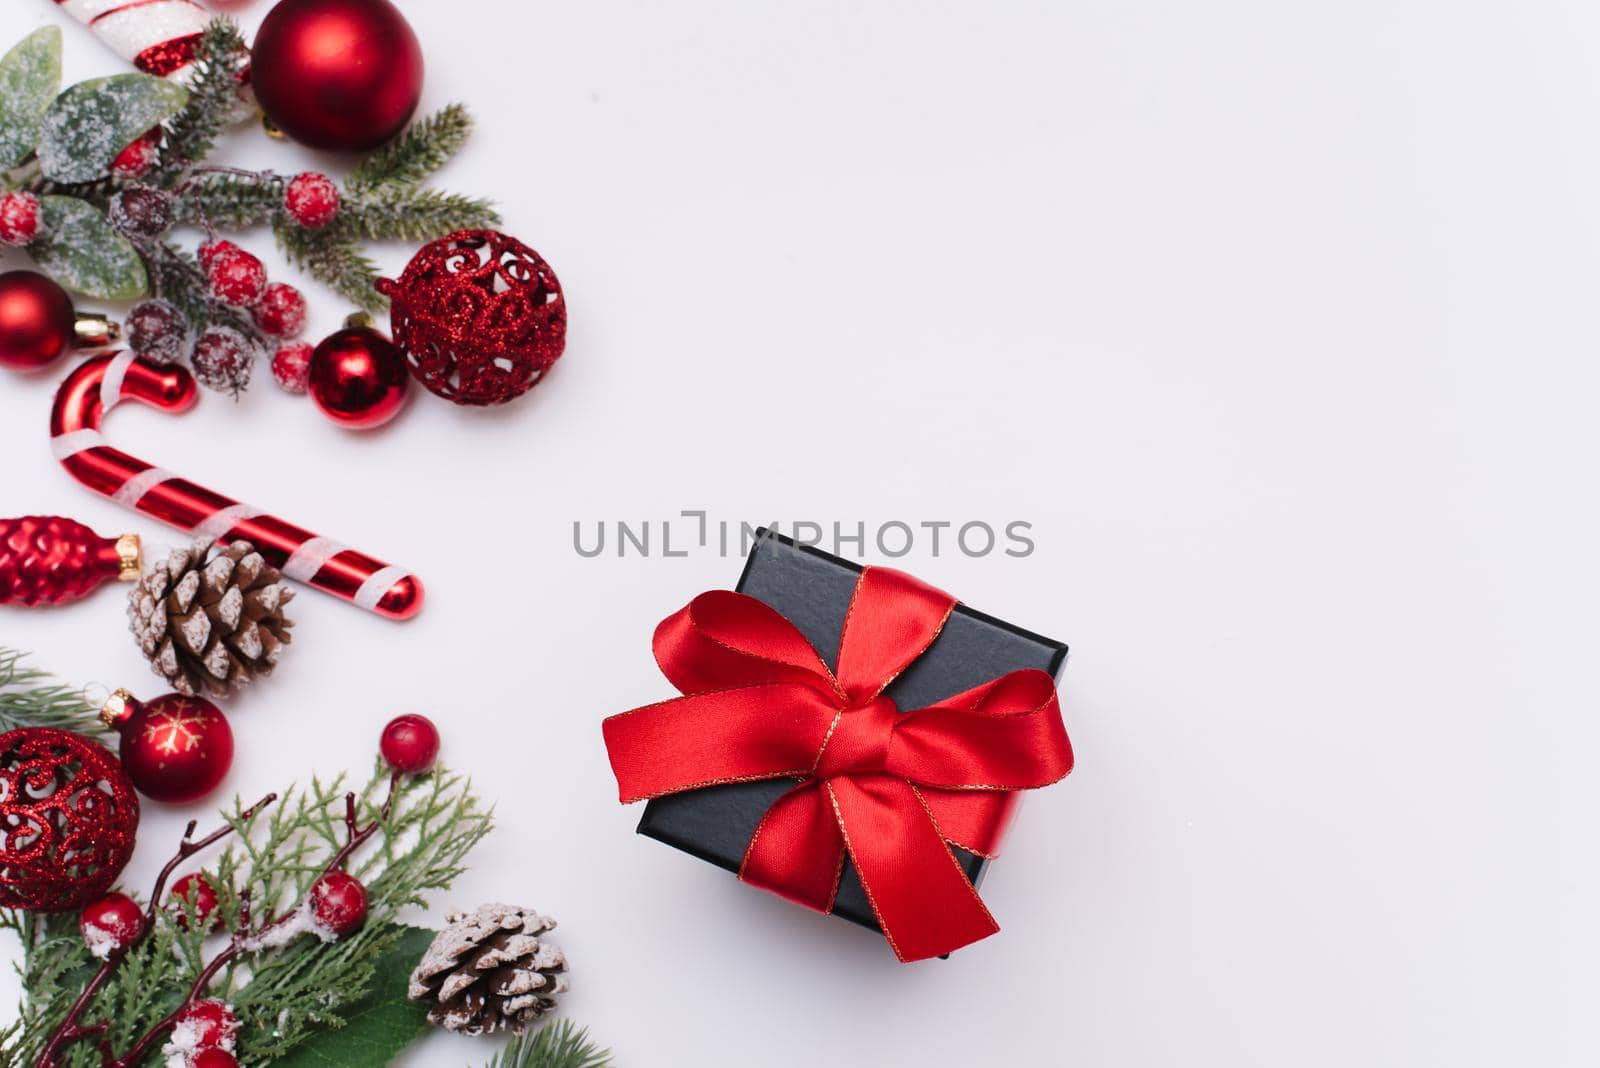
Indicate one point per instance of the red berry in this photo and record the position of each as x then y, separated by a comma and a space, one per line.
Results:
312, 200
111, 924
205, 1024
140, 213
282, 311
213, 1058
291, 366
338, 903
236, 276
223, 359
196, 891
410, 744
138, 158
157, 330
19, 218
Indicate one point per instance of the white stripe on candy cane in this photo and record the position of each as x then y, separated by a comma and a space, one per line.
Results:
75, 441
129, 492
307, 560
372, 590
111, 384
218, 523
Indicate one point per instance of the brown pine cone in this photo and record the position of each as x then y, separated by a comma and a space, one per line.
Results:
211, 621
488, 971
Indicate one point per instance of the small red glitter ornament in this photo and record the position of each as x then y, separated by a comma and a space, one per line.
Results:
410, 744
54, 560
194, 891
111, 924
343, 74
68, 815
358, 378
338, 903
176, 749
479, 316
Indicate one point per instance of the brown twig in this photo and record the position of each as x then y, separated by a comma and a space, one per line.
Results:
70, 1030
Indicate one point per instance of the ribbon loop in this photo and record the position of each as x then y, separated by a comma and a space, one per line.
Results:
893, 791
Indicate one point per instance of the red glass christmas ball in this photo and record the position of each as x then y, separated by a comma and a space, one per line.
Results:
479, 315
343, 74
358, 378
176, 749
67, 820
36, 321
410, 744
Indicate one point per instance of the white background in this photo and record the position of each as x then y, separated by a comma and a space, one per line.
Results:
1277, 320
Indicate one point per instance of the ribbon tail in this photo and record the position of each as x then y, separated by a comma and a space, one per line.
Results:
797, 851
921, 897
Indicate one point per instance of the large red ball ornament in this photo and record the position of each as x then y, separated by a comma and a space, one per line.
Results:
68, 815
36, 321
358, 378
343, 74
176, 749
479, 316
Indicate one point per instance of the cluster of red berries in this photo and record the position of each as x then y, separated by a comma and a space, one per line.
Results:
206, 1029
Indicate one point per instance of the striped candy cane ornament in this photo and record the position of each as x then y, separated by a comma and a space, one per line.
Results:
157, 36
105, 381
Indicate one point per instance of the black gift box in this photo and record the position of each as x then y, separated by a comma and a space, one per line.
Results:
812, 589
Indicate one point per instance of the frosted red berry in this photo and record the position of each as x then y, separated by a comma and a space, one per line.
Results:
338, 903
213, 1058
236, 276
410, 744
157, 330
291, 366
197, 891
140, 213
223, 359
111, 925
312, 200
281, 311
19, 218
208, 1023
138, 158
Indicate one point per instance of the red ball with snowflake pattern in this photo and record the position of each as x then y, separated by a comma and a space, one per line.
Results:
176, 749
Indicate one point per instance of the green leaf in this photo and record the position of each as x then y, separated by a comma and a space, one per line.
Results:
89, 124
30, 74
81, 251
378, 1026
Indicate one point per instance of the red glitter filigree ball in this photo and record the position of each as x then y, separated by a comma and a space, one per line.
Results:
68, 815
479, 316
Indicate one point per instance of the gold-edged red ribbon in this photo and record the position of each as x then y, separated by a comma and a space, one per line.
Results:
892, 790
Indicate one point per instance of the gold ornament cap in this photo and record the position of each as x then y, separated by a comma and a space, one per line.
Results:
91, 330
130, 558
118, 707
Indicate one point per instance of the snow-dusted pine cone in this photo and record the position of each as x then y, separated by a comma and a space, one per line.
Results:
489, 971
211, 621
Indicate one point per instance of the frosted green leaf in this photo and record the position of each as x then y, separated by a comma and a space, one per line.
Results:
89, 124
30, 74
81, 251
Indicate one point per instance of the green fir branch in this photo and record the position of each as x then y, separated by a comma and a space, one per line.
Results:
229, 201
30, 697
213, 97
286, 994
407, 214
416, 152
333, 259
557, 1045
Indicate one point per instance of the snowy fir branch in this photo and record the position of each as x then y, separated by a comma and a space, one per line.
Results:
557, 1045
30, 697
220, 59
417, 152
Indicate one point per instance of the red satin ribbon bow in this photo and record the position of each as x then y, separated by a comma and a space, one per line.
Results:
890, 789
